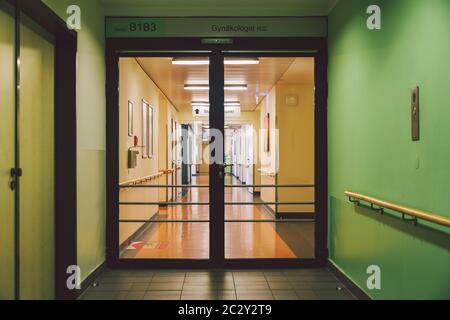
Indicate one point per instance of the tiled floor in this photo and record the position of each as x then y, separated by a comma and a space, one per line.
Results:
299, 284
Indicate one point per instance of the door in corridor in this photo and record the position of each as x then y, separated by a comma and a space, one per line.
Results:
26, 158
216, 158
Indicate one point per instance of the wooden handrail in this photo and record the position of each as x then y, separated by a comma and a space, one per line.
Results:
142, 179
267, 173
418, 214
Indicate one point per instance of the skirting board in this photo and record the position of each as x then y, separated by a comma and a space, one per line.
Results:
348, 283
86, 283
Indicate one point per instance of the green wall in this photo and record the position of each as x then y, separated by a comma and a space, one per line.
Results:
215, 8
371, 74
90, 132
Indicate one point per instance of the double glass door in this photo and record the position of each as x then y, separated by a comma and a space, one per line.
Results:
26, 158
231, 176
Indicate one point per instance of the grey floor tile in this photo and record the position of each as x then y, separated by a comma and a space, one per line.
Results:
254, 295
250, 279
104, 279
139, 286
306, 295
284, 295
280, 285
252, 286
105, 295
206, 295
176, 274
276, 278
226, 295
333, 295
162, 295
131, 295
158, 278
111, 287
165, 286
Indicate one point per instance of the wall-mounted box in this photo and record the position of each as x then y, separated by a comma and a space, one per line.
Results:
132, 158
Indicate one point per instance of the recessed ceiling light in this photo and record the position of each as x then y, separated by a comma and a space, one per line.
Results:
205, 61
241, 61
236, 87
190, 61
196, 87
200, 103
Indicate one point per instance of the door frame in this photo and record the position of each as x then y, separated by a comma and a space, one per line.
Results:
274, 47
65, 147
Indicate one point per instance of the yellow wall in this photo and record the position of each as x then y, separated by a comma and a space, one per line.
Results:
296, 145
136, 86
291, 156
6, 155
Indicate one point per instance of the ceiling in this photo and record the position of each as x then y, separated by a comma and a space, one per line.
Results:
218, 7
260, 79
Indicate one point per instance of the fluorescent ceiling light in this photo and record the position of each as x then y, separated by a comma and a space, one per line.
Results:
236, 87
241, 61
190, 61
196, 87
200, 103
205, 87
232, 104
205, 61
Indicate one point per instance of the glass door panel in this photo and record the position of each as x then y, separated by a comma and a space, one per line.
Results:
269, 154
163, 158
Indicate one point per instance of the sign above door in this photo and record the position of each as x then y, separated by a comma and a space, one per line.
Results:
141, 27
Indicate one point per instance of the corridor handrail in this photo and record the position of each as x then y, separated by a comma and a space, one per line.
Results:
417, 214
141, 180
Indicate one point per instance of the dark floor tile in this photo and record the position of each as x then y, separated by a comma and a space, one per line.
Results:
206, 295
226, 295
200, 287
254, 295
162, 295
252, 286
284, 295
276, 278
131, 295
249, 279
105, 295
333, 295
280, 285
139, 286
111, 287
306, 295
315, 285
104, 279
165, 279
158, 286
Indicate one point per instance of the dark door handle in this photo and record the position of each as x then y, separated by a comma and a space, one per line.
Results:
15, 174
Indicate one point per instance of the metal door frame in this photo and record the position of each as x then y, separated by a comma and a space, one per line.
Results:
173, 47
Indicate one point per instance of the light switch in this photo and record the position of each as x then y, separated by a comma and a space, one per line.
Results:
415, 123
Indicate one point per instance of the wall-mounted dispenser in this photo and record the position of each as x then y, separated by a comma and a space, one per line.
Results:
132, 158
132, 154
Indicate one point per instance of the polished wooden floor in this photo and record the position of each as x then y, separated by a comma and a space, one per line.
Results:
243, 240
